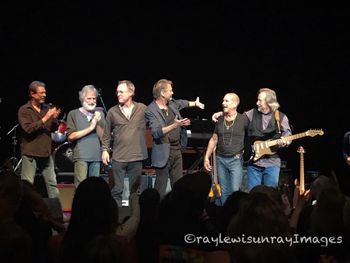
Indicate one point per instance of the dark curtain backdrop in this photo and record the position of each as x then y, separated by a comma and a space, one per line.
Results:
206, 49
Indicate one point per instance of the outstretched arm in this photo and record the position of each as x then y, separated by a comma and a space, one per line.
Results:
196, 103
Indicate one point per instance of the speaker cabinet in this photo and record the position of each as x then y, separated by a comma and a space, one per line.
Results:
66, 196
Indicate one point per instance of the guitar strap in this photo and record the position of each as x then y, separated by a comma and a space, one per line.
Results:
277, 117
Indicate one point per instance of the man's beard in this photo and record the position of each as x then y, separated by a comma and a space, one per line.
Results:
89, 107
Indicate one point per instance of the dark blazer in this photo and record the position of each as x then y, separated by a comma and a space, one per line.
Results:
156, 121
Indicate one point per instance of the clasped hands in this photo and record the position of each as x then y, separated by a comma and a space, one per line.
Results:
53, 112
95, 119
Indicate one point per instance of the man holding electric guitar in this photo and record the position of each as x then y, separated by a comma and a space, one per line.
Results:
266, 124
227, 143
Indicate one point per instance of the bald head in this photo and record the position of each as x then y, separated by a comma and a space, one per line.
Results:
230, 100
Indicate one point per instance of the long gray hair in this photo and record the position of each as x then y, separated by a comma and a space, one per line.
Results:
271, 98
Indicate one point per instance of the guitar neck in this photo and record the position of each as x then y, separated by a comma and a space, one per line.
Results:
288, 138
215, 172
302, 175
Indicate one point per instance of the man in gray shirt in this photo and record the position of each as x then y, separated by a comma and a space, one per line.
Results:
84, 129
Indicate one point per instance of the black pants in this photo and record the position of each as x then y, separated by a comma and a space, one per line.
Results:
173, 170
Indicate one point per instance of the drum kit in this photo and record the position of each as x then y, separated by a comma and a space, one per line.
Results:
62, 149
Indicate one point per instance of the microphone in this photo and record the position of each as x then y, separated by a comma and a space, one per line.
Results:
99, 91
51, 105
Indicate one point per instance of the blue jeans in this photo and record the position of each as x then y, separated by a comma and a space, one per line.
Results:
260, 175
121, 169
230, 173
45, 166
83, 169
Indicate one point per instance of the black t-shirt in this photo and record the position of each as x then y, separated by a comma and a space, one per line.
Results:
231, 135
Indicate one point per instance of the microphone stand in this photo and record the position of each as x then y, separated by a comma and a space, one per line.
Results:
106, 168
103, 104
14, 160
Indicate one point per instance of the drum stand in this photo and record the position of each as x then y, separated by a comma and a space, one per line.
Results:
14, 161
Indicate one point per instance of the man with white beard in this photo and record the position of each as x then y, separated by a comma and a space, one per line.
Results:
85, 130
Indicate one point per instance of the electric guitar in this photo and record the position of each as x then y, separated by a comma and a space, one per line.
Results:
263, 148
301, 151
215, 190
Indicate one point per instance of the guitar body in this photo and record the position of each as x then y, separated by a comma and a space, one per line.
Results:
249, 152
258, 149
215, 191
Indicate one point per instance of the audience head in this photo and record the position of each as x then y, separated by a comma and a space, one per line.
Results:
105, 249
149, 200
15, 244
11, 193
93, 205
192, 190
272, 192
230, 208
320, 183
327, 214
94, 212
259, 217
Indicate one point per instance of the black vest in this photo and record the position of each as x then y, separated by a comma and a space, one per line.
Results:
255, 129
